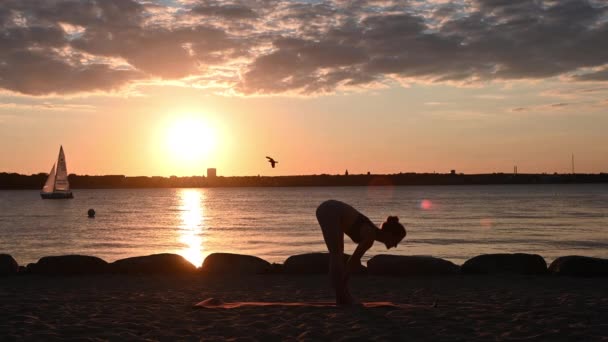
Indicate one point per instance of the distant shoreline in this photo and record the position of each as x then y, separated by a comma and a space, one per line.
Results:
14, 181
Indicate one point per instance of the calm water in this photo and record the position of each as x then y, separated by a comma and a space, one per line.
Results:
452, 222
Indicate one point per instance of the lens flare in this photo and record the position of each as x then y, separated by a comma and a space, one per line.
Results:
486, 223
426, 204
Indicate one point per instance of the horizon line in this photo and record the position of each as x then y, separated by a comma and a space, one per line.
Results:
324, 174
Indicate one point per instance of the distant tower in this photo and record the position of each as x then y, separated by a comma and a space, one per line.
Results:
211, 173
515, 169
346, 172
572, 163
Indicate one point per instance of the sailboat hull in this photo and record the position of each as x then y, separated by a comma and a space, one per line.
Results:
56, 195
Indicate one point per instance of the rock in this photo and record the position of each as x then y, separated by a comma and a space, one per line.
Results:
312, 263
165, 263
228, 263
68, 265
401, 265
517, 263
581, 266
8, 265
275, 269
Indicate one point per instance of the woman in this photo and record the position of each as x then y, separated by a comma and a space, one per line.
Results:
338, 218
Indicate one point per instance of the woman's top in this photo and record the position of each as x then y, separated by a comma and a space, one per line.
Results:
354, 230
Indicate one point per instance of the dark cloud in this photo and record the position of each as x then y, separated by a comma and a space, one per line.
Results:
43, 72
446, 11
231, 11
17, 38
88, 13
158, 51
521, 39
299, 63
34, 44
274, 46
594, 76
36, 56
546, 107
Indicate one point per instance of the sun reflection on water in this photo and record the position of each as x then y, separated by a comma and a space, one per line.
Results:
192, 224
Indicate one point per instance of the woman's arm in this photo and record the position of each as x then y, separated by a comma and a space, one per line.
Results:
367, 240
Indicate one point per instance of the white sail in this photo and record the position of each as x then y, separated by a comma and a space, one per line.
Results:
50, 182
61, 180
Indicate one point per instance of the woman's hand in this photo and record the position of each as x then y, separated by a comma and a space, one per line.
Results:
354, 262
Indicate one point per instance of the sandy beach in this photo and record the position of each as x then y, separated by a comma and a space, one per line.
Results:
448, 308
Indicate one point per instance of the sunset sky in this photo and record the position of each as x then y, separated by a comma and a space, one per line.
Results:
171, 87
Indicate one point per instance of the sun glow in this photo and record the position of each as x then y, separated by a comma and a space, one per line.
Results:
190, 140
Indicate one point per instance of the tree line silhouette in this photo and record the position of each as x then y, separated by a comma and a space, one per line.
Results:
36, 181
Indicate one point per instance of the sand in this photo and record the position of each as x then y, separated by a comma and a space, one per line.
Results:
449, 308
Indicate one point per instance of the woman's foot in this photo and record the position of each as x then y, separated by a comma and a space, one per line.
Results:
346, 300
352, 299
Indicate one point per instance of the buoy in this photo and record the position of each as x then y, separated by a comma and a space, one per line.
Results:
91, 213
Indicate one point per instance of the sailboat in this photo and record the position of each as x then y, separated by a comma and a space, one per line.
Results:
57, 185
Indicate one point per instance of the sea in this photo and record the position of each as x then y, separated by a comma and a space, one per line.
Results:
450, 222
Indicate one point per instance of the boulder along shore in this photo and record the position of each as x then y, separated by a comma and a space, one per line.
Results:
491, 297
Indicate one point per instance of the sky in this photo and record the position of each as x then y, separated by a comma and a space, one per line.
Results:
145, 88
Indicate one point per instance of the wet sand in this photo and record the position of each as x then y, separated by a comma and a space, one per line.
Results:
449, 308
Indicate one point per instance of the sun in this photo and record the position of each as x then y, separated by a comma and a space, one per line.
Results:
190, 139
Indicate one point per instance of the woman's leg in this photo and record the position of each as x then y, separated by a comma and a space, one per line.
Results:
329, 220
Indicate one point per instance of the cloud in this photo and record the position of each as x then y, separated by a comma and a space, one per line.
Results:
578, 91
40, 72
491, 97
582, 107
594, 76
48, 106
227, 11
285, 46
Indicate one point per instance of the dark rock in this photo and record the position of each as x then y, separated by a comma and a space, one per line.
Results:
8, 265
401, 265
581, 266
68, 265
517, 263
312, 263
165, 263
275, 268
22, 270
234, 264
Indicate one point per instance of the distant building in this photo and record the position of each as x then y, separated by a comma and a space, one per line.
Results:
453, 172
211, 173
346, 172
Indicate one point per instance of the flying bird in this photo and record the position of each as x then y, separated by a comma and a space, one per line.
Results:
271, 161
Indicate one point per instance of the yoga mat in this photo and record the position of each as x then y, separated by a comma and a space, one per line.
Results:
214, 303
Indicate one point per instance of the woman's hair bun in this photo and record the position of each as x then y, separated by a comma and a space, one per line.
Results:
392, 219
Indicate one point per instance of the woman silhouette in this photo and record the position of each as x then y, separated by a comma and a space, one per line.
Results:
338, 218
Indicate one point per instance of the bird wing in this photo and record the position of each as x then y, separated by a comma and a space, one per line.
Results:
267, 157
